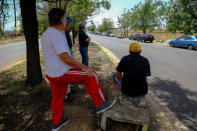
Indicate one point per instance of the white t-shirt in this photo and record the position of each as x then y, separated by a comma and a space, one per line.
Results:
54, 42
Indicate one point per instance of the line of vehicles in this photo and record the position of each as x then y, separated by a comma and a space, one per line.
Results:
138, 37
186, 41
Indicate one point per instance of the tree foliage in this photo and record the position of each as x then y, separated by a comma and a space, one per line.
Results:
106, 25
42, 16
78, 10
182, 16
124, 20
144, 16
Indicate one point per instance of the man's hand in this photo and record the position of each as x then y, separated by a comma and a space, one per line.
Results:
88, 70
71, 61
88, 40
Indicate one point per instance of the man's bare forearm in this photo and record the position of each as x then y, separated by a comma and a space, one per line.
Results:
70, 61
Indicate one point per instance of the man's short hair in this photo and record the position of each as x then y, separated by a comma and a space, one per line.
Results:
54, 16
82, 25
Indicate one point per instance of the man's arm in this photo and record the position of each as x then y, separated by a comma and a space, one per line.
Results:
88, 40
120, 69
148, 69
72, 62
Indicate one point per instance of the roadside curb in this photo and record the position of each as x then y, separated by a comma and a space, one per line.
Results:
12, 63
167, 119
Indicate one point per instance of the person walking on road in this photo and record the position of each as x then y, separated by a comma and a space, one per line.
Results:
132, 72
62, 69
84, 41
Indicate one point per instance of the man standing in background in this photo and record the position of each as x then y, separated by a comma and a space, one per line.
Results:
70, 44
67, 33
84, 41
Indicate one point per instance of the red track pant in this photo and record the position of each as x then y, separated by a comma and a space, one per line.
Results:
59, 87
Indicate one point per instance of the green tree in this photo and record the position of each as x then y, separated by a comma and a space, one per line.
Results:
161, 14
42, 16
124, 21
106, 25
19, 18
144, 16
182, 16
79, 10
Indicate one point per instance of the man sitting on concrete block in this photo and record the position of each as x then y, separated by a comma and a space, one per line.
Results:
132, 72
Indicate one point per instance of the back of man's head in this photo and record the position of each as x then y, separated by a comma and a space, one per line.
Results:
82, 25
135, 48
54, 16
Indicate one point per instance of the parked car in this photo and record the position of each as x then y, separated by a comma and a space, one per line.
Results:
104, 34
100, 33
120, 35
187, 41
108, 33
146, 37
134, 36
112, 35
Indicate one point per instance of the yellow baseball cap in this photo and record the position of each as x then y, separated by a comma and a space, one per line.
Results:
135, 47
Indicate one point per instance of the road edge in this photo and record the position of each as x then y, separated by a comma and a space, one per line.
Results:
166, 118
12, 63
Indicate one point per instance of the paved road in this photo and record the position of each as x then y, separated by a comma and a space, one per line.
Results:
11, 52
174, 75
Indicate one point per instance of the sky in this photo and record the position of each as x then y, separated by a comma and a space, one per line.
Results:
117, 8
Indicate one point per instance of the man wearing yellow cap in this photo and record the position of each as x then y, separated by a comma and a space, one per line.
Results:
132, 72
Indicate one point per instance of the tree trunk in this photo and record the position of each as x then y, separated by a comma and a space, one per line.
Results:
14, 16
144, 31
30, 27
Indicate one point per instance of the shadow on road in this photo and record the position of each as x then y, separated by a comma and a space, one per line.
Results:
180, 101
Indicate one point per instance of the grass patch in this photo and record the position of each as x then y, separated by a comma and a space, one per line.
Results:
12, 40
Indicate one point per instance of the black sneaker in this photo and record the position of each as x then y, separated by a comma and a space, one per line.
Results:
105, 106
63, 123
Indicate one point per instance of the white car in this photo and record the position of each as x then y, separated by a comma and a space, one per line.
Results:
120, 35
112, 35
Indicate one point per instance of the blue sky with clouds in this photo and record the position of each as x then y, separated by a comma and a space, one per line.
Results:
117, 7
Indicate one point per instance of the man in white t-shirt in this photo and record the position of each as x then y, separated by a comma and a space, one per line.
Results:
62, 69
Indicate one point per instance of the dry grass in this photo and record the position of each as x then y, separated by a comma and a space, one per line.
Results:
12, 40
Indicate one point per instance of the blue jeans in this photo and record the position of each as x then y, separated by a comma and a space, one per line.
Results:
71, 52
84, 54
117, 80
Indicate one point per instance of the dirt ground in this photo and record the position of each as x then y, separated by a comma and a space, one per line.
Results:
26, 108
